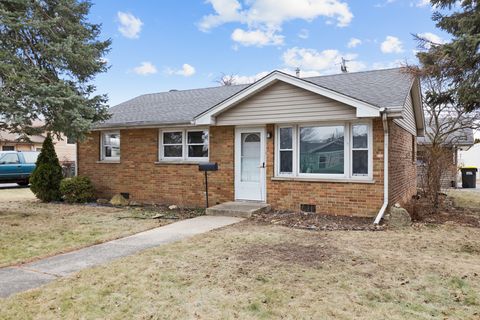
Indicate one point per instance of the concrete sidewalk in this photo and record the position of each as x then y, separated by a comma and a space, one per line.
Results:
35, 274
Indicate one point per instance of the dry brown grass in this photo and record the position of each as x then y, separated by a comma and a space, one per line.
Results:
249, 271
465, 198
31, 229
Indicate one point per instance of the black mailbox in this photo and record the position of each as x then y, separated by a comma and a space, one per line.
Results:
205, 167
210, 166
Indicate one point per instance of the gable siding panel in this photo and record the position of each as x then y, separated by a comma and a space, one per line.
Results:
408, 121
282, 102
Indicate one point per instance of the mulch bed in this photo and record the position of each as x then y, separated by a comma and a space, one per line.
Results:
317, 221
419, 209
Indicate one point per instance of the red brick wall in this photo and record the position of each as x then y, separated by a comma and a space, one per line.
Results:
402, 167
137, 173
339, 198
183, 184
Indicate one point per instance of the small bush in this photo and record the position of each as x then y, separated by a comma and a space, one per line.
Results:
77, 190
45, 179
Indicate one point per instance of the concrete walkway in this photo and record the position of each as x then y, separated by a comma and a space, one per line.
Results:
34, 274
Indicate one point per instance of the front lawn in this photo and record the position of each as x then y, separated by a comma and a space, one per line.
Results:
465, 198
30, 229
252, 271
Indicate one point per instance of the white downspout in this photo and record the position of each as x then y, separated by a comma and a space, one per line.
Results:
385, 167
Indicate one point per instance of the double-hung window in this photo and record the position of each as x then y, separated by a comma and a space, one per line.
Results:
184, 144
333, 151
172, 144
110, 144
285, 150
360, 149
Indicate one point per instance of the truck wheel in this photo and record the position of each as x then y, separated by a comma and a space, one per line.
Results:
23, 183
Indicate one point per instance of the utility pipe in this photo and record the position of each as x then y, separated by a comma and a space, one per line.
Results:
385, 167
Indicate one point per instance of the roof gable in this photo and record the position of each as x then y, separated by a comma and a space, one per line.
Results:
363, 109
281, 102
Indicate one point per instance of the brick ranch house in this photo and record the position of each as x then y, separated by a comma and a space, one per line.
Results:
330, 141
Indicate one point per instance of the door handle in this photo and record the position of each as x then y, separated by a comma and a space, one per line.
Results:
263, 165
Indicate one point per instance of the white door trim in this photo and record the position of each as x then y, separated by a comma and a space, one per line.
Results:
237, 164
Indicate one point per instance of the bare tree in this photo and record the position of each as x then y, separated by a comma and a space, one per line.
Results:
446, 124
226, 80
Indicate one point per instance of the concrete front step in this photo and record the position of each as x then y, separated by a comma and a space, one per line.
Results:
238, 209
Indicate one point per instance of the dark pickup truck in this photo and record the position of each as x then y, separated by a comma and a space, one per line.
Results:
16, 166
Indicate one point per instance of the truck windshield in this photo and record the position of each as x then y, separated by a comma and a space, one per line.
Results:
30, 157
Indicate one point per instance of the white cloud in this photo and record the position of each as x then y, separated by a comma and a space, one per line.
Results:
304, 34
145, 68
391, 45
422, 3
130, 26
256, 38
325, 62
186, 71
354, 42
226, 11
243, 79
389, 64
268, 16
432, 38
274, 13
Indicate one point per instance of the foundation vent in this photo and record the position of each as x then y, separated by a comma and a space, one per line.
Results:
308, 208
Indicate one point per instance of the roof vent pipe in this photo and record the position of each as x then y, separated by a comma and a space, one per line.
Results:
297, 72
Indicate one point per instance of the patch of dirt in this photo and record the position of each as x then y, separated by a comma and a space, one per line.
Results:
305, 255
317, 221
162, 213
422, 212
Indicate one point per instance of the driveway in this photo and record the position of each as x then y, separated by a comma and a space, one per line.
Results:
13, 192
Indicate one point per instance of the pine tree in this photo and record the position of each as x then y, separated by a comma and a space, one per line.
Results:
459, 59
49, 53
45, 179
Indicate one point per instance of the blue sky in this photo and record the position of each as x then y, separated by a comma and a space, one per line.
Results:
171, 44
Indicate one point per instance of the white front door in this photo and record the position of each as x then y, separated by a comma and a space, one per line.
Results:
250, 164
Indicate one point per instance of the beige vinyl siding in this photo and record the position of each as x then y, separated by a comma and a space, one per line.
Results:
282, 102
65, 152
408, 121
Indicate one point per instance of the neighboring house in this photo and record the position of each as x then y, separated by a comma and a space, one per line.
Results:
470, 158
66, 150
459, 140
318, 143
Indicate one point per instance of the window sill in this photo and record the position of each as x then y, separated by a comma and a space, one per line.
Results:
193, 162
109, 161
320, 180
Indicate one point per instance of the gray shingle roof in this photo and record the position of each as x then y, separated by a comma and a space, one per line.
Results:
381, 88
461, 137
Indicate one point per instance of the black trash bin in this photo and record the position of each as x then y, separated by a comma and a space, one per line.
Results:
469, 177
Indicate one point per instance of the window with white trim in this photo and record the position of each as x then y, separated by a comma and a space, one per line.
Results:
285, 150
322, 150
184, 144
110, 145
337, 150
172, 144
360, 146
197, 144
